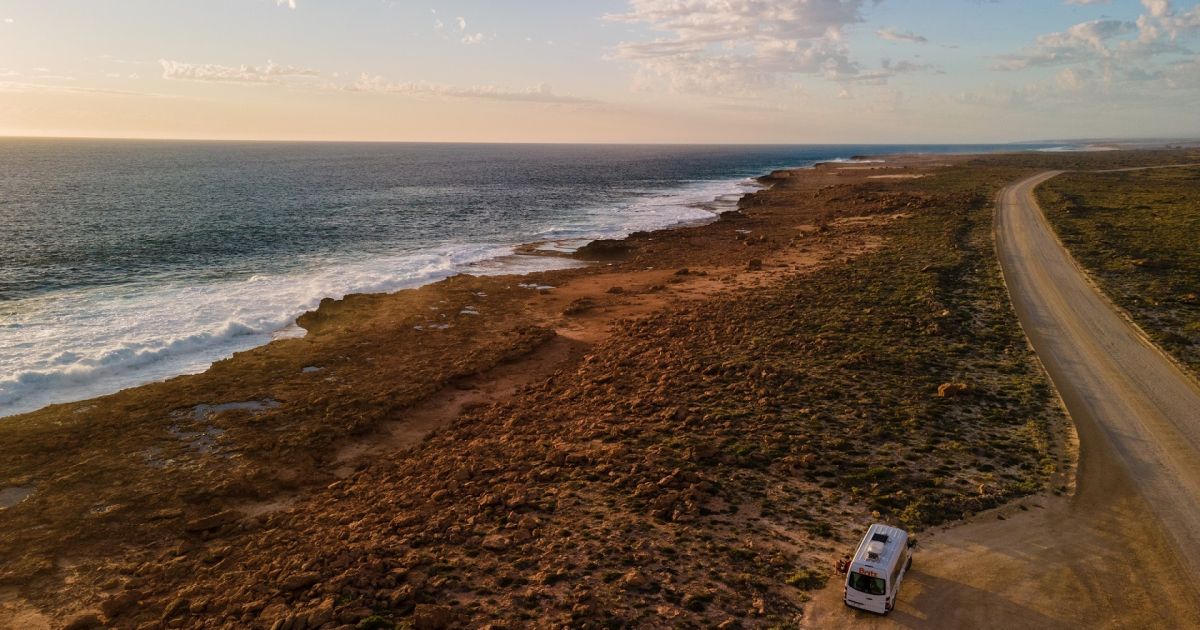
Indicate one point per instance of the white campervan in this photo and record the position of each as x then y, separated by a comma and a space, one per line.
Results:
877, 569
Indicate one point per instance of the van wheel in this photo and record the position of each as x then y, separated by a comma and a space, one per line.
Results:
909, 564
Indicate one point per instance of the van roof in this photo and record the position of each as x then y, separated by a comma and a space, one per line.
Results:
880, 547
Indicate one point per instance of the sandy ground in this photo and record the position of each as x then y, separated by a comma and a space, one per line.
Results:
1113, 553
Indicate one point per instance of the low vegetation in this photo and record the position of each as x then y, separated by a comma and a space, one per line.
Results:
1138, 234
702, 465
705, 463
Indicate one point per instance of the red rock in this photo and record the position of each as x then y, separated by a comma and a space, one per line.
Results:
496, 542
634, 580
84, 621
432, 617
117, 604
952, 390
177, 607
298, 581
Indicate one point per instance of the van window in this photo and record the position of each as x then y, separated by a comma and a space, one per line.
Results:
899, 566
867, 584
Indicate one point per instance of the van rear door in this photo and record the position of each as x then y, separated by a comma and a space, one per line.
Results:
866, 590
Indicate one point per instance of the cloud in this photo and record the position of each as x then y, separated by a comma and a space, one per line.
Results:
1087, 2
9, 20
1157, 8
291, 4
1080, 42
538, 94
294, 77
1182, 75
24, 87
1162, 20
1061, 88
468, 38
1118, 45
1106, 62
738, 47
1077, 87
465, 37
891, 34
266, 74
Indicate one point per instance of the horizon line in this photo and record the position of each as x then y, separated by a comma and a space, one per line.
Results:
118, 138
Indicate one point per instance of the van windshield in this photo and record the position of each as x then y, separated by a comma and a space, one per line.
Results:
867, 584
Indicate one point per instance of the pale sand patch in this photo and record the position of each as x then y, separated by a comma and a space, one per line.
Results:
16, 613
10, 497
905, 176
871, 219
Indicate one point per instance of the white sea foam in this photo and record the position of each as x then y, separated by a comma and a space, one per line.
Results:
694, 203
80, 344
1076, 148
74, 345
851, 161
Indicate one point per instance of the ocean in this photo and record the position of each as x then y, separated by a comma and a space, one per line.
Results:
127, 262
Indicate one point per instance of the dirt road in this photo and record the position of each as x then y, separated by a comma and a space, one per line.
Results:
1124, 549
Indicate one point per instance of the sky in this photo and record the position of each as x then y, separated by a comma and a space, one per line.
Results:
688, 71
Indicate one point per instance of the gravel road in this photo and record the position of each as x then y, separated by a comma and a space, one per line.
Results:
1122, 550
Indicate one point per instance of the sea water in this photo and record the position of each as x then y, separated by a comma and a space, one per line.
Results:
127, 262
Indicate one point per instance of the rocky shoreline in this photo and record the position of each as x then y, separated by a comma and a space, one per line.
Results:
683, 432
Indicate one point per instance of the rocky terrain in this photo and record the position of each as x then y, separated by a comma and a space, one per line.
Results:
684, 432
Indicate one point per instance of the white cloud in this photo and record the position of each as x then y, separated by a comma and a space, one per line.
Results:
1119, 45
1157, 8
23, 87
1080, 42
269, 73
1086, 2
291, 4
538, 94
1183, 75
1073, 79
893, 35
294, 77
1076, 87
464, 36
1162, 19
738, 47
1106, 62
9, 20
